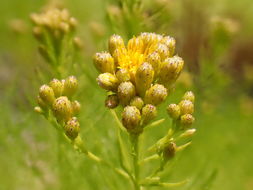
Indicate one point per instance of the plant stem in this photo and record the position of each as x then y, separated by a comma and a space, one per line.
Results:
135, 153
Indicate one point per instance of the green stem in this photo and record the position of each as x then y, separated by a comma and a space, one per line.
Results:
135, 153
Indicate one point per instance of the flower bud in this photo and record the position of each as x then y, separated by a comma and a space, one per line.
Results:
170, 42
189, 96
62, 108
112, 101
78, 44
163, 51
156, 94
148, 113
72, 128
104, 62
186, 107
126, 91
173, 110
46, 93
57, 87
187, 120
154, 60
144, 78
137, 102
188, 133
131, 118
115, 42
169, 150
38, 109
122, 75
70, 86
107, 81
42, 104
76, 107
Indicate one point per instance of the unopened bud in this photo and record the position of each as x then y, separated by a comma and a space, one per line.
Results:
189, 96
46, 93
169, 150
70, 86
156, 94
131, 118
137, 102
187, 120
72, 128
78, 44
62, 108
115, 42
155, 60
38, 110
148, 113
73, 22
163, 51
144, 78
122, 75
186, 107
104, 62
107, 81
188, 133
42, 104
112, 101
173, 110
76, 107
57, 87
170, 42
126, 91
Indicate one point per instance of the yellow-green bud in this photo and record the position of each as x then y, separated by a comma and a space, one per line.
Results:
42, 104
38, 109
173, 110
163, 51
122, 75
62, 108
115, 42
76, 107
137, 102
148, 113
187, 120
169, 150
126, 91
155, 60
46, 93
186, 107
189, 96
57, 87
144, 78
72, 128
107, 81
156, 94
70, 86
131, 118
112, 101
170, 42
188, 133
104, 62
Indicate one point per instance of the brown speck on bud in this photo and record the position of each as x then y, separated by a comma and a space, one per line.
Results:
112, 101
170, 42
76, 107
115, 42
72, 128
104, 62
46, 93
62, 108
174, 111
169, 150
108, 81
156, 94
186, 107
126, 91
187, 120
57, 87
122, 75
70, 86
137, 102
189, 96
131, 118
148, 113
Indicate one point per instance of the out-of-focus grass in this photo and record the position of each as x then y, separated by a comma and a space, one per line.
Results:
32, 156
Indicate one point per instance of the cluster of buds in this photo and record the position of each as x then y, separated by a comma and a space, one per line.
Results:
53, 28
55, 99
138, 76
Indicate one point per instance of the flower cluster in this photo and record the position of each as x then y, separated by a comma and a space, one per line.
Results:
138, 76
55, 99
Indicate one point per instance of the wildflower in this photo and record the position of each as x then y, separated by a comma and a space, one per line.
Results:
148, 113
72, 128
57, 87
156, 94
70, 86
131, 118
112, 101
107, 81
173, 111
46, 94
76, 107
137, 102
126, 91
62, 108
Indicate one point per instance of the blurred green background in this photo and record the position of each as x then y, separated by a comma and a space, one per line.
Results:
216, 41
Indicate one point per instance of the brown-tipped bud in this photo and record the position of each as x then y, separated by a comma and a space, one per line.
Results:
170, 42
46, 93
137, 102
126, 91
155, 60
57, 87
169, 150
144, 78
122, 75
76, 107
148, 113
108, 81
112, 101
72, 128
186, 107
131, 118
70, 86
187, 120
170, 70
62, 108
163, 51
156, 94
115, 42
174, 111
189, 96
104, 62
